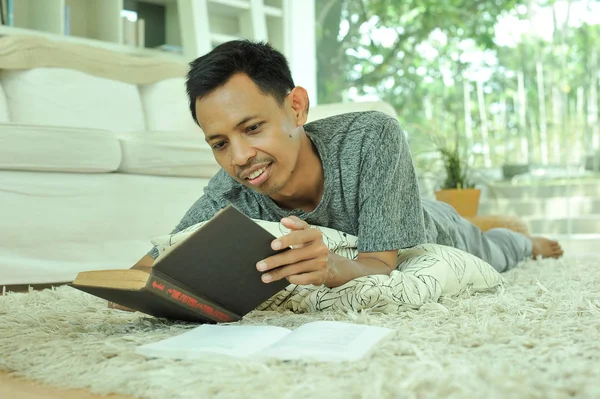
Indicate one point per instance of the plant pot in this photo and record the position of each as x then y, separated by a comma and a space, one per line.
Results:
465, 201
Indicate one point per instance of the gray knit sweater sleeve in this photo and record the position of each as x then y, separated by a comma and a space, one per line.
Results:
390, 214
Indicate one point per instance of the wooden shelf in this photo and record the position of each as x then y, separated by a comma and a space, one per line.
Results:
99, 20
228, 6
274, 11
195, 25
137, 51
47, 16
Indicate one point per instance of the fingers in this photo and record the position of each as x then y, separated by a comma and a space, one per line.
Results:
305, 263
305, 272
312, 252
297, 238
294, 223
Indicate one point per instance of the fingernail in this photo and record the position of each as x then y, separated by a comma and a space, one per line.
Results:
261, 265
276, 244
287, 220
266, 278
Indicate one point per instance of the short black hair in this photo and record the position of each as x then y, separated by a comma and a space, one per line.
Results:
267, 67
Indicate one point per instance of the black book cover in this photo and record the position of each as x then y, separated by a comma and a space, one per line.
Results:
218, 262
210, 276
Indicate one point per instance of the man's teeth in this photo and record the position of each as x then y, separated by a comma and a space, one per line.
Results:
256, 174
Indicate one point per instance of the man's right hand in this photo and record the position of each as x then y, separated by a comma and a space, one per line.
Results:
145, 265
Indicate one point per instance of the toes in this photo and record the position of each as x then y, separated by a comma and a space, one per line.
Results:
559, 254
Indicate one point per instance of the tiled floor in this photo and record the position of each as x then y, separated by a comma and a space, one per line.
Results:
576, 244
567, 210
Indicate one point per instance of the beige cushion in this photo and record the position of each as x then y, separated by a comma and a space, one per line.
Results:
167, 154
166, 107
63, 97
58, 149
327, 110
423, 274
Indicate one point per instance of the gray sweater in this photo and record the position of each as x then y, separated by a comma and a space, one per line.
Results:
371, 189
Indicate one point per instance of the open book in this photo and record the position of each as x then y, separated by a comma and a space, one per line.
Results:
328, 341
210, 276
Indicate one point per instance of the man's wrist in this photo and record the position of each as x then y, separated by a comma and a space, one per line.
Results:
341, 270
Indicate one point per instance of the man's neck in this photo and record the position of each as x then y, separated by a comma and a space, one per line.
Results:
307, 183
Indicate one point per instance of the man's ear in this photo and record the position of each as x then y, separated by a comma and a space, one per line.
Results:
298, 99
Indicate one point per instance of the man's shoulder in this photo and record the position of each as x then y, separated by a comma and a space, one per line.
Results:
360, 127
346, 120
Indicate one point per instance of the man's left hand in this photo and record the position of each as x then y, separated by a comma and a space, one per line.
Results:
307, 262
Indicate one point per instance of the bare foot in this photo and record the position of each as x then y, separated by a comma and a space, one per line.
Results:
546, 248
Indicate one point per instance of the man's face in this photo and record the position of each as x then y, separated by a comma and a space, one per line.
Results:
253, 137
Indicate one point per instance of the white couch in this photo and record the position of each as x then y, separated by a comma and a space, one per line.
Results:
88, 164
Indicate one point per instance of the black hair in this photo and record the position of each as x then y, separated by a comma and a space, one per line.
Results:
264, 65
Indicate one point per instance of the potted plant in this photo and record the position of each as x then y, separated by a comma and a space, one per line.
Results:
457, 189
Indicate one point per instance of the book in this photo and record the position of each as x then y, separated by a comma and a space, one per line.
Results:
141, 32
326, 341
209, 277
129, 31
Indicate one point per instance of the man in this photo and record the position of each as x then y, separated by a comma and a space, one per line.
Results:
352, 172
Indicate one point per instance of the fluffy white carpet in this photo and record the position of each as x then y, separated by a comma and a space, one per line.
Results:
539, 337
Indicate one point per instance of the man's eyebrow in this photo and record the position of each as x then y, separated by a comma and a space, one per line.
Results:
240, 123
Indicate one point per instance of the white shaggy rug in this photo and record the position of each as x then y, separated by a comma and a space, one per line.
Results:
539, 337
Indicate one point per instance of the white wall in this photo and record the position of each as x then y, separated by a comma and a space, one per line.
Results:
300, 46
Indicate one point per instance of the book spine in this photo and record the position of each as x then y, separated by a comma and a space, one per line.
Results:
173, 292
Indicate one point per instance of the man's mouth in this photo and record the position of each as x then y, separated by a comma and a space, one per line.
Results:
256, 173
259, 176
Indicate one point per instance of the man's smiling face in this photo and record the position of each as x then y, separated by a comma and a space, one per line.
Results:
256, 140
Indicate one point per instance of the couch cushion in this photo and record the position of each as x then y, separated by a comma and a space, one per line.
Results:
63, 97
57, 149
3, 106
327, 110
166, 106
167, 154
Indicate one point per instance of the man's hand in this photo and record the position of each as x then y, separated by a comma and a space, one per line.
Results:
307, 262
310, 262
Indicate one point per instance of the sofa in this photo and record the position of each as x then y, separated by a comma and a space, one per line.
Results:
98, 155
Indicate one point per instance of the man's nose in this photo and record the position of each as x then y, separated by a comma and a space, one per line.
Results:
241, 153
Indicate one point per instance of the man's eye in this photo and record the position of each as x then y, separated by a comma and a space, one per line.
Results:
219, 145
254, 128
